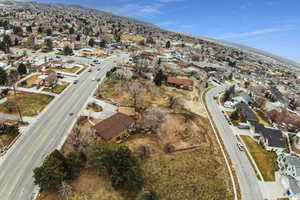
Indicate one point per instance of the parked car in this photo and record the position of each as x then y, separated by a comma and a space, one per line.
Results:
90, 70
243, 126
75, 82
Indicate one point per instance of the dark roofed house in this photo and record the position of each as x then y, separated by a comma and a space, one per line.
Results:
276, 95
272, 139
246, 113
113, 127
180, 83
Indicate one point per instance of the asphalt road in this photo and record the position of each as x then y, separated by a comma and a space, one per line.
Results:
247, 179
16, 182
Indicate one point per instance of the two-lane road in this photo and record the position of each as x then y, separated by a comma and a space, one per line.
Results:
16, 182
248, 181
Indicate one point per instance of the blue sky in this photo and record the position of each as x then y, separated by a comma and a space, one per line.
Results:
271, 25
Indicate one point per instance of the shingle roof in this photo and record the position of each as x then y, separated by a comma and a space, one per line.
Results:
277, 95
113, 126
180, 81
247, 112
274, 137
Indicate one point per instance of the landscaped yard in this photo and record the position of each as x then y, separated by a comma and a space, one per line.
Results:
58, 88
94, 107
31, 81
67, 70
265, 161
30, 103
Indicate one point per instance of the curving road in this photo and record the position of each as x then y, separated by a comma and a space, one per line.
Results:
47, 134
247, 179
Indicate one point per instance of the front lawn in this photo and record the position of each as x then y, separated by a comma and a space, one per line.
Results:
67, 70
265, 161
30, 104
58, 88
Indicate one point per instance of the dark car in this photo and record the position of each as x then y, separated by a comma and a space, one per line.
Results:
75, 82
90, 70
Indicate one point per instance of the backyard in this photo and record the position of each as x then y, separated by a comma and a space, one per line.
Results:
31, 81
30, 104
265, 161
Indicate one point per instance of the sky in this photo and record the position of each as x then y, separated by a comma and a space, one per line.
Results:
271, 25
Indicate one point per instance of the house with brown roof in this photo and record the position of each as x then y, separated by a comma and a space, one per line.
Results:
180, 83
114, 127
51, 79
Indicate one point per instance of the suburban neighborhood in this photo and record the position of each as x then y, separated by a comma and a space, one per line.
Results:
98, 106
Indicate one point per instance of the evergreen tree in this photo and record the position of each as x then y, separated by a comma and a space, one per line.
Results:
49, 32
91, 42
67, 51
159, 78
78, 37
71, 31
52, 173
3, 76
22, 69
48, 43
168, 44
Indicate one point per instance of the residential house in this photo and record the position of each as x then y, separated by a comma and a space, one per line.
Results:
180, 83
246, 113
114, 127
51, 80
242, 96
275, 95
272, 139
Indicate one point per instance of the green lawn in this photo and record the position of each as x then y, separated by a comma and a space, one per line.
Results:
57, 89
30, 104
265, 161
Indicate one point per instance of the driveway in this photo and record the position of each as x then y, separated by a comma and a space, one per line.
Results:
108, 109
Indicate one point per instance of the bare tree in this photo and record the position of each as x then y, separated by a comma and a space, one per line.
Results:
65, 190
174, 102
153, 89
136, 89
13, 77
152, 120
80, 140
123, 74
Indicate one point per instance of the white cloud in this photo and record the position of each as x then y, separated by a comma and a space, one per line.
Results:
248, 34
137, 10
